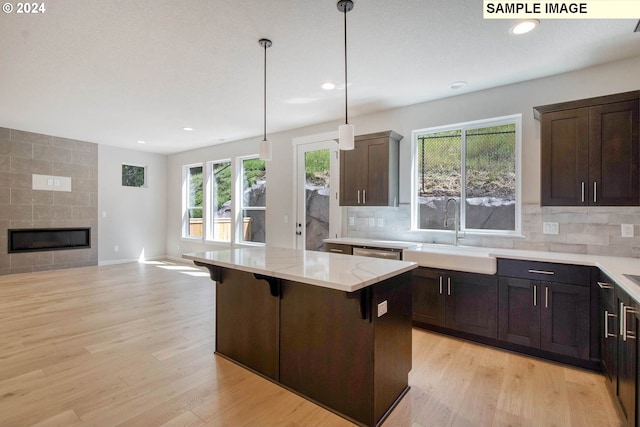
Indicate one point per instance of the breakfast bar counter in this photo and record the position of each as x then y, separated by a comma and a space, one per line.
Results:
333, 328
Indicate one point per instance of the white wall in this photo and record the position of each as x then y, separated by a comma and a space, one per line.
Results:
135, 218
606, 79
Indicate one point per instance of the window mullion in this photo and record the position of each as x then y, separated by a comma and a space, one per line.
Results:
463, 179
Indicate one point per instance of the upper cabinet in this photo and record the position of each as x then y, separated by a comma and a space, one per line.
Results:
369, 172
590, 152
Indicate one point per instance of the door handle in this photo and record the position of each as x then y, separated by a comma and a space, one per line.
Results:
364, 197
595, 192
582, 191
606, 324
535, 296
448, 285
440, 285
358, 196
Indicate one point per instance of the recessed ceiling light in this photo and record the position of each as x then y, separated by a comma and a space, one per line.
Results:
328, 86
522, 27
457, 85
187, 129
141, 142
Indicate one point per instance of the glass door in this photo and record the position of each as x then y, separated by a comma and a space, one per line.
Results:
316, 194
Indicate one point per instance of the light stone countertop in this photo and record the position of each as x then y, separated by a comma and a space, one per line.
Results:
614, 267
387, 244
335, 271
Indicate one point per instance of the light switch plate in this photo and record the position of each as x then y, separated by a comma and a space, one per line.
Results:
380, 222
550, 228
626, 230
372, 222
382, 308
352, 220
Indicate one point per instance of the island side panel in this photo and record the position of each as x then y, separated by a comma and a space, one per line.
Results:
393, 342
247, 322
326, 349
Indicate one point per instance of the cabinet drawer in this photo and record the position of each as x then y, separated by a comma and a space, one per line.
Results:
338, 248
545, 271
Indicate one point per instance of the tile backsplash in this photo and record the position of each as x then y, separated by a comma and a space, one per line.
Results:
581, 230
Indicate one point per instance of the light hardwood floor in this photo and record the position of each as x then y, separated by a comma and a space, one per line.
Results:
132, 344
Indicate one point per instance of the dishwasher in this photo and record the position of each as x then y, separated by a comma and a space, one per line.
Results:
378, 252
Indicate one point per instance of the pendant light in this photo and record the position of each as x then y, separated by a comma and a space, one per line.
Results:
265, 145
345, 132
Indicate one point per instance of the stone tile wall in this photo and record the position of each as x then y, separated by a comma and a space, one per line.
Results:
582, 230
23, 154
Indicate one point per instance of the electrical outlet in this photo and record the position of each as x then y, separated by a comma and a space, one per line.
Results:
380, 222
550, 228
626, 230
352, 220
372, 222
383, 307
286, 219
116, 248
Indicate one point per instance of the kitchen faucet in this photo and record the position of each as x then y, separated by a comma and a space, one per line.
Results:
456, 218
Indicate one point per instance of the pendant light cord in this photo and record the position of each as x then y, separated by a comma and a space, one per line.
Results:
346, 98
265, 94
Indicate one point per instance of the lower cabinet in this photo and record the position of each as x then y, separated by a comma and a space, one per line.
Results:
619, 347
550, 316
463, 302
537, 312
537, 308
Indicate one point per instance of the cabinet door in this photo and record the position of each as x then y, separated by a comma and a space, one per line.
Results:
608, 321
519, 311
614, 154
428, 296
627, 362
564, 141
564, 319
472, 304
351, 170
376, 173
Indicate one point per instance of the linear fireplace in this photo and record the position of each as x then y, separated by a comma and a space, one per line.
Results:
48, 239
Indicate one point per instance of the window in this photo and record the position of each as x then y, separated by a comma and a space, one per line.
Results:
219, 189
252, 210
192, 183
476, 164
133, 176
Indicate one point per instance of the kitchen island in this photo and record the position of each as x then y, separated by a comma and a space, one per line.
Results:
333, 328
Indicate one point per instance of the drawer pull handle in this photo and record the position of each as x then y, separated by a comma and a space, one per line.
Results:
340, 251
550, 273
605, 285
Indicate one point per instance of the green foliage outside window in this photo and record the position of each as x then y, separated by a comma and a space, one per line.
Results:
133, 176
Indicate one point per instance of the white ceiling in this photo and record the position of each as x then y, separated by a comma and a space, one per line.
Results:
118, 71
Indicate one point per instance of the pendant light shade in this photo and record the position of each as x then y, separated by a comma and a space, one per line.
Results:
265, 144
346, 137
346, 132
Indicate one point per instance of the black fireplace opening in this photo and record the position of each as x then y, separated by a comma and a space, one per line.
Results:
48, 239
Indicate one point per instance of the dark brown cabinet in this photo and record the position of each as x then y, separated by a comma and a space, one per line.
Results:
590, 151
627, 357
608, 320
247, 329
538, 311
464, 302
369, 172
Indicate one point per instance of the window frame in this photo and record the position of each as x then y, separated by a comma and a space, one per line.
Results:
239, 203
515, 119
185, 202
144, 175
209, 184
